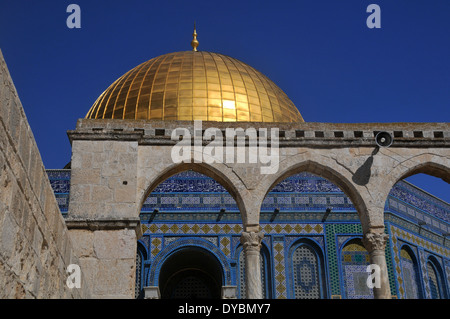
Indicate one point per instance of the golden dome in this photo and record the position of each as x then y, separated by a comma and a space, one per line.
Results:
195, 85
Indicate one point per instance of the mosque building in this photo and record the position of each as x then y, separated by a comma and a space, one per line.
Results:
336, 204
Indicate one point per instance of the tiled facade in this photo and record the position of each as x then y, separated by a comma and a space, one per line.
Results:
307, 253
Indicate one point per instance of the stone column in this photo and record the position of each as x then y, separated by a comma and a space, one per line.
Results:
252, 246
375, 243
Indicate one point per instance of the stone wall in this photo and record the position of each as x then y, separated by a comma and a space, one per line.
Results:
35, 248
102, 219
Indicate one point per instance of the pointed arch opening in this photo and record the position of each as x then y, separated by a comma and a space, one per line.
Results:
415, 198
307, 271
410, 273
191, 273
217, 180
438, 289
310, 183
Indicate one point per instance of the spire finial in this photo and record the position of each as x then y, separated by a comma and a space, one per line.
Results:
194, 42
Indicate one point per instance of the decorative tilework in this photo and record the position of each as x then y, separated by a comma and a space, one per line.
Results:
433, 282
301, 200
284, 200
293, 228
355, 259
225, 247
191, 229
190, 200
337, 200
279, 275
158, 261
433, 247
59, 180
417, 198
235, 242
447, 274
151, 200
60, 183
422, 243
319, 200
284, 236
212, 200
155, 246
145, 242
331, 231
409, 272
414, 213
355, 277
397, 265
423, 262
168, 240
138, 285
228, 228
212, 239
190, 190
305, 273
299, 197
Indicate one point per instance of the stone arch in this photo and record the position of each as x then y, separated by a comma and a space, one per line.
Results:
219, 172
322, 169
429, 168
421, 164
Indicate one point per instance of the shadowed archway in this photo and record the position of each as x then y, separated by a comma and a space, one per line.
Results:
191, 273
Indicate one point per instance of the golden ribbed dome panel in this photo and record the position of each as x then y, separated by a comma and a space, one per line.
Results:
195, 86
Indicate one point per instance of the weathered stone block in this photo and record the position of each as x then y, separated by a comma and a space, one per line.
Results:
86, 176
8, 235
100, 193
115, 244
108, 284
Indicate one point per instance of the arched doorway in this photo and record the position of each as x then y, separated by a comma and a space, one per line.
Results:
191, 273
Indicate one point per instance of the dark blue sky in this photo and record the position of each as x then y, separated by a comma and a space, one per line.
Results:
320, 52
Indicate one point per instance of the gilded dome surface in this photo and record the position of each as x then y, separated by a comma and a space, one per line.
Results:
193, 85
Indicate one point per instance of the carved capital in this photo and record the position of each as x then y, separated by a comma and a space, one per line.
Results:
375, 241
252, 240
